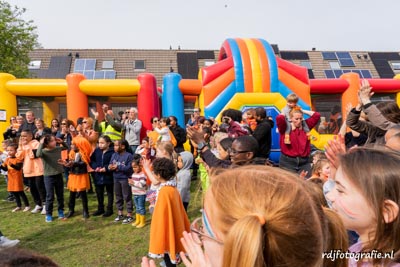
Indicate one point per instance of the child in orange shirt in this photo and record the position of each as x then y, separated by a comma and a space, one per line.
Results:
15, 185
169, 217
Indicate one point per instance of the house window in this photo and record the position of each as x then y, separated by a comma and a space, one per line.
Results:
35, 64
334, 65
140, 65
306, 64
395, 65
107, 64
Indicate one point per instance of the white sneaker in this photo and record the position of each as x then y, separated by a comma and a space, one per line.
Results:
43, 210
37, 209
7, 243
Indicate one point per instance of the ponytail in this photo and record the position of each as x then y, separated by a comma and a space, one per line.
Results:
245, 248
336, 238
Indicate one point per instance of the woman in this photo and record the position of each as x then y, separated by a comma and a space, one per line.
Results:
295, 156
12, 130
41, 130
55, 126
87, 131
153, 135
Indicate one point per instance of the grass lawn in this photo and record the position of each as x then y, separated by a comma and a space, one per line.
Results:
97, 241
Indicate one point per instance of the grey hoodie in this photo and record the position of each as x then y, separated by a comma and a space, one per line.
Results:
184, 176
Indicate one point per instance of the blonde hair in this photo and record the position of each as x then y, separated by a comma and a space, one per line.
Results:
292, 98
317, 167
376, 174
242, 195
90, 122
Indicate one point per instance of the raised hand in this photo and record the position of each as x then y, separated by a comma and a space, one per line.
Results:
365, 92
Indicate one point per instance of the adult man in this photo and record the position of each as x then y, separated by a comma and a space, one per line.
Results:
243, 151
28, 124
262, 133
109, 126
132, 126
178, 132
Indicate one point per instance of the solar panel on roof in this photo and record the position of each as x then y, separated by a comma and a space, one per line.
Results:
79, 65
366, 74
329, 56
343, 55
358, 72
90, 64
346, 62
109, 74
338, 73
329, 74
346, 71
99, 74
89, 74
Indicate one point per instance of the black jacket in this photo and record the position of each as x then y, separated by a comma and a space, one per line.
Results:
263, 135
98, 159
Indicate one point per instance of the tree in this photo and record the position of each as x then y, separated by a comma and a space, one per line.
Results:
17, 38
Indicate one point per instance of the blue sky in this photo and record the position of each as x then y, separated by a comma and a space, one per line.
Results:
155, 24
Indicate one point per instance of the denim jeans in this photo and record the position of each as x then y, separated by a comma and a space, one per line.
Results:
54, 183
295, 164
139, 204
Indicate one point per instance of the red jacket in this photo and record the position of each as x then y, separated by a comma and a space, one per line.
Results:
300, 144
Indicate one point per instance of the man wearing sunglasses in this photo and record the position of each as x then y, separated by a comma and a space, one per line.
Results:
242, 152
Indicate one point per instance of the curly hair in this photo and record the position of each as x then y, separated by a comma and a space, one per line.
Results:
165, 168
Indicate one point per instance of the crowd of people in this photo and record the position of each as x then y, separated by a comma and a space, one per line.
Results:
255, 213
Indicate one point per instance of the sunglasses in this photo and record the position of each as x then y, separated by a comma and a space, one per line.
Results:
84, 121
155, 121
63, 123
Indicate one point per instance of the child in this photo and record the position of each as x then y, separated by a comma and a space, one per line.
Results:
121, 166
138, 184
366, 195
251, 119
164, 131
3, 157
169, 217
321, 169
184, 178
53, 173
145, 150
14, 167
78, 179
292, 100
32, 169
103, 177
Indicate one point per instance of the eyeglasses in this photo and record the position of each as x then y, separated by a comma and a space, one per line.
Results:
198, 229
234, 152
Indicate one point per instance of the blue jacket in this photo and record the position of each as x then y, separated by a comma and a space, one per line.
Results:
98, 159
124, 162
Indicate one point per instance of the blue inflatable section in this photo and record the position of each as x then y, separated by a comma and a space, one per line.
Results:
273, 66
220, 101
172, 98
238, 65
